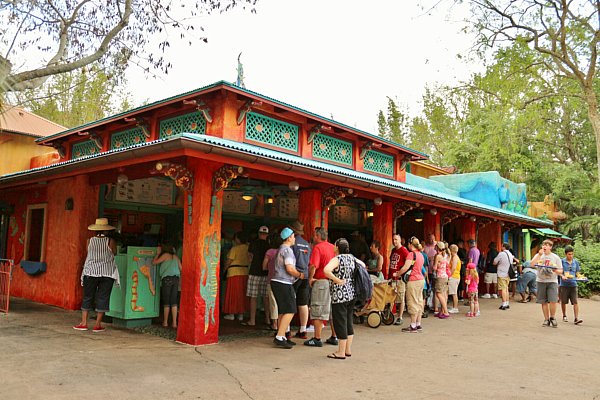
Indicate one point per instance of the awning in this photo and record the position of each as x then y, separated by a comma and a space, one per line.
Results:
547, 232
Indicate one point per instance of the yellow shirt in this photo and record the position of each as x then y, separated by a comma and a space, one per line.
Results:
239, 260
456, 274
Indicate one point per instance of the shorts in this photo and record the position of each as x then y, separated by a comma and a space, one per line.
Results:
98, 288
567, 293
400, 290
414, 297
257, 286
169, 286
320, 300
503, 282
441, 285
547, 292
285, 296
473, 297
490, 277
453, 286
302, 289
342, 314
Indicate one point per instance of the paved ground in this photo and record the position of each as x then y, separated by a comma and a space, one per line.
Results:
499, 355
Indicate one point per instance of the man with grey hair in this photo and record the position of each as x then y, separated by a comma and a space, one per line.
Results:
320, 302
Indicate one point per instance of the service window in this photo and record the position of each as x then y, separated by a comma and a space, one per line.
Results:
35, 232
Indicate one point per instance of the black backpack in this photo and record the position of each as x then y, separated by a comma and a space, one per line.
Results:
363, 285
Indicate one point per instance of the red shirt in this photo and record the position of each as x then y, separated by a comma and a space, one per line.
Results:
397, 260
321, 254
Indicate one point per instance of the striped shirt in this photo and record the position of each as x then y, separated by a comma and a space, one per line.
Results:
100, 260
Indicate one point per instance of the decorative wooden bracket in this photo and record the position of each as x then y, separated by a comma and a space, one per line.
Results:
335, 193
224, 176
60, 148
97, 139
202, 107
404, 162
449, 216
316, 130
141, 123
181, 175
483, 222
401, 208
245, 108
364, 149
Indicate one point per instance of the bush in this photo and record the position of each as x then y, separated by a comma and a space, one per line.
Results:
588, 254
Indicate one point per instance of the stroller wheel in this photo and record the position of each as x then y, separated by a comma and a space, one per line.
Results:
374, 319
387, 316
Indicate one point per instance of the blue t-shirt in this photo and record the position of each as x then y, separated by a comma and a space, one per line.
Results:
302, 253
573, 269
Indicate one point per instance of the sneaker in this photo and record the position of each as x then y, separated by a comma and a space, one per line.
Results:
229, 317
453, 311
332, 340
565, 319
494, 296
301, 335
486, 296
289, 340
443, 316
553, 323
410, 329
478, 313
546, 323
81, 327
503, 307
313, 342
578, 321
240, 317
419, 328
282, 343
398, 322
98, 329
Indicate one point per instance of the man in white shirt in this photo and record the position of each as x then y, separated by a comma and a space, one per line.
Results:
503, 261
549, 267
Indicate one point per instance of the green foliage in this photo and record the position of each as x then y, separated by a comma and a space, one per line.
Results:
588, 254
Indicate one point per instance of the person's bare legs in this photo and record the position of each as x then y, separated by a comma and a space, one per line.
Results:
454, 301
318, 324
546, 311
348, 350
576, 311
174, 316
99, 316
303, 316
266, 306
341, 351
166, 310
284, 321
252, 320
84, 317
552, 308
563, 308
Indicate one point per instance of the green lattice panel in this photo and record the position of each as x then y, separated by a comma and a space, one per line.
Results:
378, 162
82, 149
188, 123
127, 138
332, 149
271, 131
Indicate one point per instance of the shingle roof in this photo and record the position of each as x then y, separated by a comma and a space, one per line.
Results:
17, 120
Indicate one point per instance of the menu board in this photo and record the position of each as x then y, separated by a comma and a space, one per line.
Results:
148, 191
345, 215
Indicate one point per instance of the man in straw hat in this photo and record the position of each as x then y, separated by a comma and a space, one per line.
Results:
99, 274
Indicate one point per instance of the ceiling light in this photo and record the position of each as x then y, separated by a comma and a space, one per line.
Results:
369, 214
247, 196
294, 186
378, 201
269, 200
433, 211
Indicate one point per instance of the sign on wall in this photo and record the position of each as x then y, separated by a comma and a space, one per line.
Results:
149, 191
345, 215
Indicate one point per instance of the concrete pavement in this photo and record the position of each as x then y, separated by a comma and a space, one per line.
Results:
502, 354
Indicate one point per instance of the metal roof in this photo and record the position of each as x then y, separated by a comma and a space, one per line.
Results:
281, 159
235, 88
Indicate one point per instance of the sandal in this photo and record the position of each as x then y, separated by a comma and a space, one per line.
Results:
335, 356
348, 355
578, 321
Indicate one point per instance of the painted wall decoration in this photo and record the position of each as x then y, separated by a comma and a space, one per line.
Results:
220, 181
183, 179
208, 279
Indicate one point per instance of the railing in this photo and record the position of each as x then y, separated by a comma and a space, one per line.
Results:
6, 267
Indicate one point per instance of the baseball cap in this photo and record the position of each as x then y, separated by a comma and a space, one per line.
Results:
471, 266
286, 233
263, 229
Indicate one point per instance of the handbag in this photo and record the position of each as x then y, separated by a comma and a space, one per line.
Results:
406, 275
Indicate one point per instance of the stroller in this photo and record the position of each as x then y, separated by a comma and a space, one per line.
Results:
379, 308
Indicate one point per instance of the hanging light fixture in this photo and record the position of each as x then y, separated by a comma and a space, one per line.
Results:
418, 216
122, 179
247, 196
378, 201
369, 214
269, 200
473, 218
433, 211
294, 186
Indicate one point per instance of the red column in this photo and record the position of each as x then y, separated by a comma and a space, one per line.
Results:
431, 224
469, 230
383, 223
199, 314
310, 211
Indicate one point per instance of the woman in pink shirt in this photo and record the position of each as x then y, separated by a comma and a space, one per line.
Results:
440, 269
414, 286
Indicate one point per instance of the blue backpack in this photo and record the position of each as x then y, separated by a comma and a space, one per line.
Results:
363, 285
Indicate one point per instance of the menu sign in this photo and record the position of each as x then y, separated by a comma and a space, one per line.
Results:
148, 191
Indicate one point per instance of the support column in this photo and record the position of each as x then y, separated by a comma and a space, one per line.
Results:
199, 314
310, 207
432, 224
527, 244
383, 224
469, 230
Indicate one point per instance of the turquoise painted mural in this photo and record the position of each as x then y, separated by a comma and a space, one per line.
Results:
208, 277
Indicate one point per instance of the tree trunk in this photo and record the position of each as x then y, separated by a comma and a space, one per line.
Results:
594, 116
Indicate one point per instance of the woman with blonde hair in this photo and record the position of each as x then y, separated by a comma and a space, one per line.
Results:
454, 280
441, 270
413, 267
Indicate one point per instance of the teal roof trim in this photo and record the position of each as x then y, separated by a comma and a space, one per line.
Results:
250, 92
278, 156
547, 232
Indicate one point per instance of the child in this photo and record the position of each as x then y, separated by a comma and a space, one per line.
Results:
472, 282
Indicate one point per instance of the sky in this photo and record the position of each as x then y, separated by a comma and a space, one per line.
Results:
336, 58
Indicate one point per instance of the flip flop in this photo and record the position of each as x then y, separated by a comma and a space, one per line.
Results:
335, 357
348, 355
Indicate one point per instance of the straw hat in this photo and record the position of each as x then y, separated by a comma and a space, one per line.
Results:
101, 225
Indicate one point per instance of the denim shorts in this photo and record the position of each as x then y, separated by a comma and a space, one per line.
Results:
96, 288
169, 288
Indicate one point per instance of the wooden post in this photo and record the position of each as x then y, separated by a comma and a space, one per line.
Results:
432, 224
383, 223
199, 314
310, 207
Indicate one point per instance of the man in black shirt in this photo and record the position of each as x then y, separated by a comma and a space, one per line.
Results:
257, 277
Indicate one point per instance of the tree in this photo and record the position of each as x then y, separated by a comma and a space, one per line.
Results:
75, 98
565, 32
394, 125
39, 39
